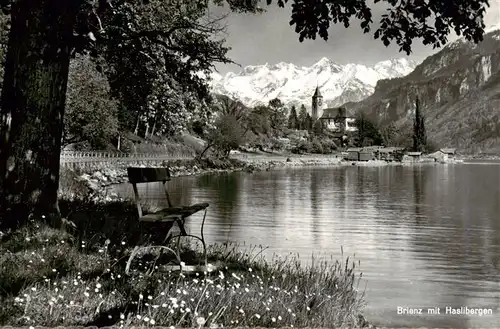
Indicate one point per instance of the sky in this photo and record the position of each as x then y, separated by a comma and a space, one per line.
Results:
268, 38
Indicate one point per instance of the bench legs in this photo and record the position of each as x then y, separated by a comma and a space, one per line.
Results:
180, 223
168, 238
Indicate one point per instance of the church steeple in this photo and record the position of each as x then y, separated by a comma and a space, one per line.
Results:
316, 92
317, 102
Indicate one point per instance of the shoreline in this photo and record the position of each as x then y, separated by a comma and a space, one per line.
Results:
97, 181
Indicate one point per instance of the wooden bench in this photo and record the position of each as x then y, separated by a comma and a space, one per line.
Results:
171, 214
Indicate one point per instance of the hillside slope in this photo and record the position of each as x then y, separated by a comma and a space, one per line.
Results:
459, 89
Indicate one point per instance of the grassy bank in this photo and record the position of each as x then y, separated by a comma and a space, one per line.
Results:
52, 278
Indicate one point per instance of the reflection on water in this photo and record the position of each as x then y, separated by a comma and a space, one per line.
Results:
426, 236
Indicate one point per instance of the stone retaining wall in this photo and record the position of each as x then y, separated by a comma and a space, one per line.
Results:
97, 179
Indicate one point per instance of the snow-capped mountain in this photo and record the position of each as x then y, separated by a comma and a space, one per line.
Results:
292, 84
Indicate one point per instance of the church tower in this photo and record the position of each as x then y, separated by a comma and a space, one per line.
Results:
317, 105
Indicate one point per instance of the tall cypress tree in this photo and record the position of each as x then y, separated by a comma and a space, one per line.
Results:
293, 121
419, 134
302, 118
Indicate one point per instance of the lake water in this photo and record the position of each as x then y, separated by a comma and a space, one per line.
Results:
426, 236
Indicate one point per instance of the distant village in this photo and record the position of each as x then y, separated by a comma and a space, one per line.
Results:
341, 121
398, 154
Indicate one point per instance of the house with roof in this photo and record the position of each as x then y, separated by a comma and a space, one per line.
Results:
352, 154
390, 153
337, 119
444, 155
451, 152
412, 157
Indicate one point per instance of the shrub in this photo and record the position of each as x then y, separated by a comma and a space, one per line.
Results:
279, 144
126, 145
328, 145
304, 146
71, 186
227, 135
317, 147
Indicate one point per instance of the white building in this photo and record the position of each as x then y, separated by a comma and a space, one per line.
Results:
336, 119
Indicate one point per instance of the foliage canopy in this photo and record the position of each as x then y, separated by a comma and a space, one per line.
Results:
402, 22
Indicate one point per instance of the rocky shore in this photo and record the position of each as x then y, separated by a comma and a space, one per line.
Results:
95, 182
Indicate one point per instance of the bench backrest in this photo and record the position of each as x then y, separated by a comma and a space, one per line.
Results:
147, 175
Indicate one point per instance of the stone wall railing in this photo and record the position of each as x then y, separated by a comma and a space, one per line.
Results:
102, 158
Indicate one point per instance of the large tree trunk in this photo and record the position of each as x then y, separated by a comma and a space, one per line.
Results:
32, 109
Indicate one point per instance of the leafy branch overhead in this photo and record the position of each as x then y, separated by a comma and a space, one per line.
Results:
403, 21
158, 54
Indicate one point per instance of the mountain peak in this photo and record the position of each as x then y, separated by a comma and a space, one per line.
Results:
322, 62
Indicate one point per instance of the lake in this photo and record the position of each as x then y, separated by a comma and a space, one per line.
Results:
426, 236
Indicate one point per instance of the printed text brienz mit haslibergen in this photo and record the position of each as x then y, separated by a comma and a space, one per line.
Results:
463, 310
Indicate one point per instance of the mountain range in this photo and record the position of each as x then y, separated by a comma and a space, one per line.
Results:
295, 85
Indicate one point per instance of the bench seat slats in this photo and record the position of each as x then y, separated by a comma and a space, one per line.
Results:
173, 213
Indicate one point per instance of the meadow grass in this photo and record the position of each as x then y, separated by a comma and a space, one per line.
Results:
54, 278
